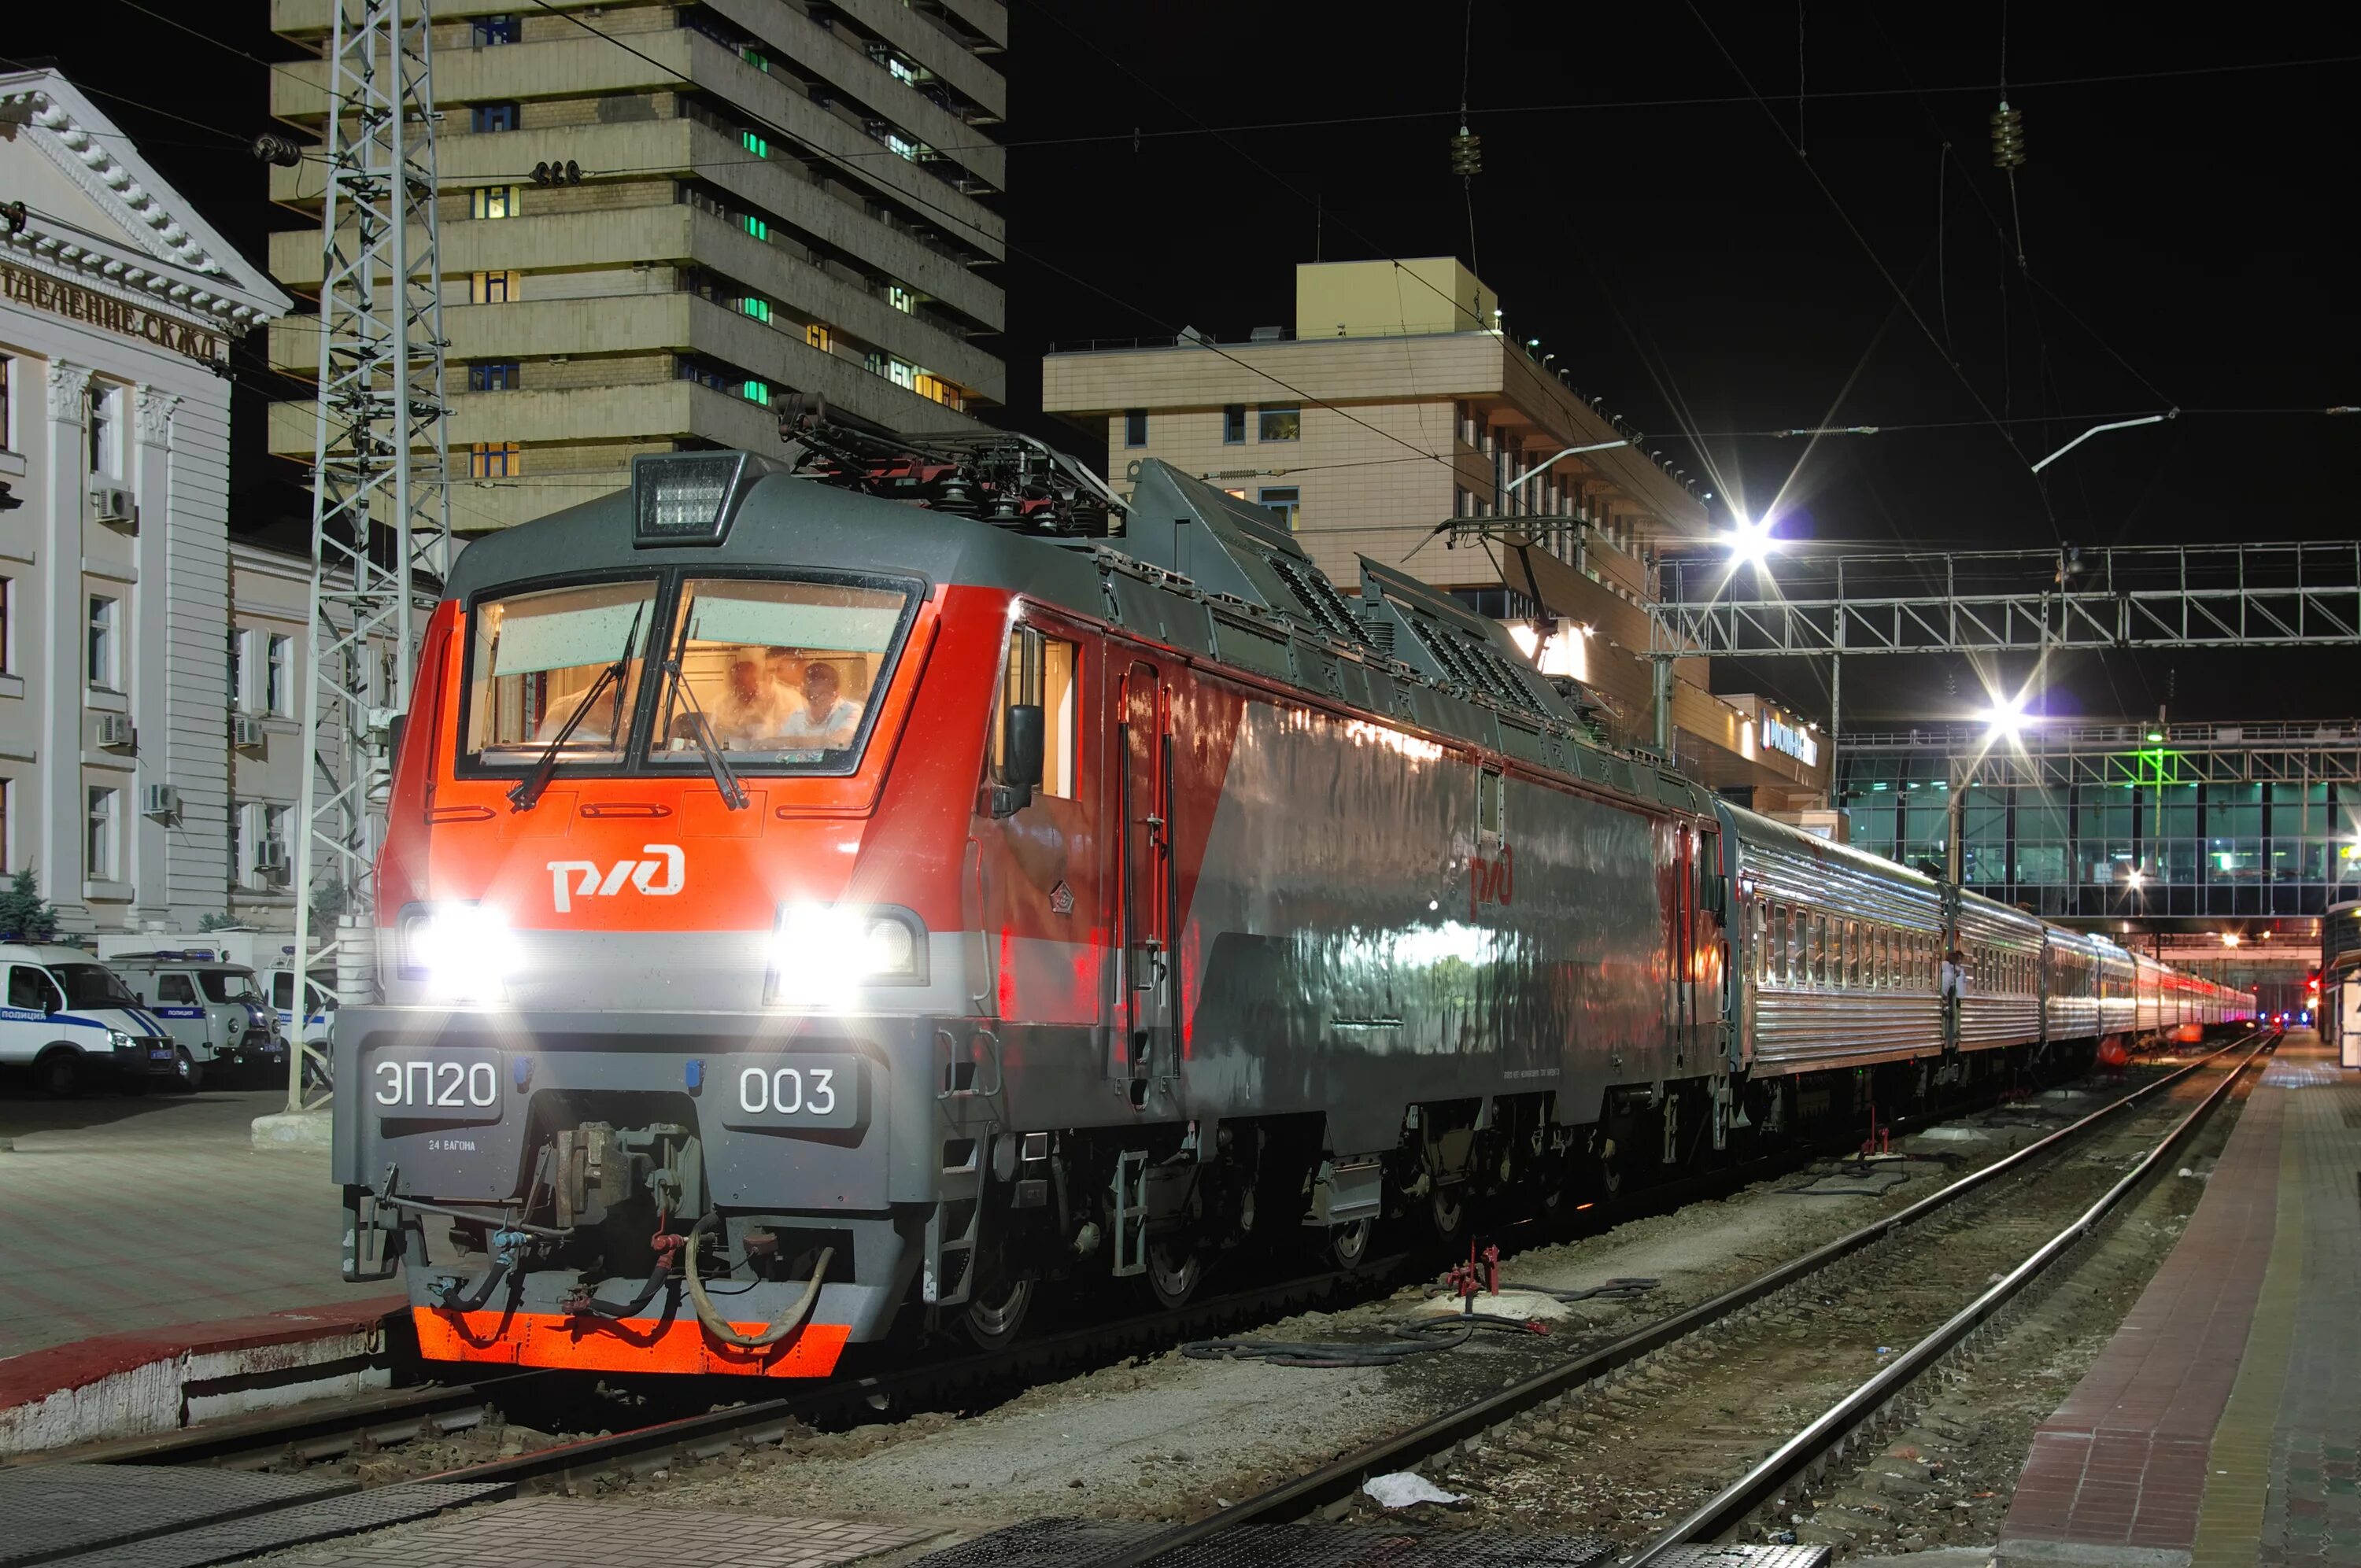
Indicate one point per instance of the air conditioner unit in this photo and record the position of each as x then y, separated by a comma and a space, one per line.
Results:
270, 861
112, 503
246, 732
159, 800
114, 731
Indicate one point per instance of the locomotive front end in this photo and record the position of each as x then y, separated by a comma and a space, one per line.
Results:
668, 938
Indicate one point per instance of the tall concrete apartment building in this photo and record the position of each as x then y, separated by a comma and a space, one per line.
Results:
657, 221
1397, 402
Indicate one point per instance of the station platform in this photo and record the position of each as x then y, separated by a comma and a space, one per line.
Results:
144, 1244
2221, 1425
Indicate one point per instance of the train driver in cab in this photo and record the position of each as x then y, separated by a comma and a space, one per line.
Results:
830, 718
755, 707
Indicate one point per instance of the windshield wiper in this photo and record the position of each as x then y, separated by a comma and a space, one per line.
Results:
528, 791
700, 729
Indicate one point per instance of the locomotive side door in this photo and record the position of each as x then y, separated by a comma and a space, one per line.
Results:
1144, 884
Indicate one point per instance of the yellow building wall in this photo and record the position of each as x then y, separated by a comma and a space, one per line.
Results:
1391, 298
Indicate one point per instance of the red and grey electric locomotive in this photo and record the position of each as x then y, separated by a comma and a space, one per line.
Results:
805, 914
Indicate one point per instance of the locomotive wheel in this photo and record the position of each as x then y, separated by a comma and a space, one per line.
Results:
1174, 1267
1607, 1168
1447, 1212
996, 1315
1349, 1244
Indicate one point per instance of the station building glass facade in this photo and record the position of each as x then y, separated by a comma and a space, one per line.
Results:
2160, 846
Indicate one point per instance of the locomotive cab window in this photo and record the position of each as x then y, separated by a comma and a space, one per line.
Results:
1044, 672
540, 659
786, 675
1491, 803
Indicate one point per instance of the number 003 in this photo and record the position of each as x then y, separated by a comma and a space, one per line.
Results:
783, 1090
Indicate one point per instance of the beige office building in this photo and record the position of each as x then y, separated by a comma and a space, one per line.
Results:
1398, 402
658, 222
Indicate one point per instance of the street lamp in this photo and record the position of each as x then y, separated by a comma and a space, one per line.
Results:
1542, 467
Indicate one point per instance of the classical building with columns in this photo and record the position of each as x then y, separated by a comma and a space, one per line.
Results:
117, 308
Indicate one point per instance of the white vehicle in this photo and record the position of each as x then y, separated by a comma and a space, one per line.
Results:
270, 954
73, 1023
214, 1009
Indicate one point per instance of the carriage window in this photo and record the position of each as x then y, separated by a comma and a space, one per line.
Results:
539, 656
1853, 944
1762, 940
786, 672
1818, 955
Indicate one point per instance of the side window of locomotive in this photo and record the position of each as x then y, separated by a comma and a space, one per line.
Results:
539, 659
1491, 792
787, 672
1045, 670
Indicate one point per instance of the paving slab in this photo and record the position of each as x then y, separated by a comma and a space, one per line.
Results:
2220, 1425
55, 1511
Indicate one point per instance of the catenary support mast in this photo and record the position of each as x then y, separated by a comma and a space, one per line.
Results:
381, 512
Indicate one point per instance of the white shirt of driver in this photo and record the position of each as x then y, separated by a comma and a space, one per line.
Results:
830, 729
746, 723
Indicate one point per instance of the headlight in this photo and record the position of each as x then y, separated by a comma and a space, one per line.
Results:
464, 952
116, 1040
821, 953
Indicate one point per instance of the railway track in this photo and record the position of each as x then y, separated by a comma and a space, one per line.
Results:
552, 1401
288, 1441
1524, 1421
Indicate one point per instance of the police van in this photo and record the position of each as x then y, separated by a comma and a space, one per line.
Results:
270, 954
74, 1025
214, 1009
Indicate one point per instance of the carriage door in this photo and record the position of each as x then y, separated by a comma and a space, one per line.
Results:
1144, 888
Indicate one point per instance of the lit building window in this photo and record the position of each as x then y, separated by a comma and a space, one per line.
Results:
758, 309
1278, 424
756, 143
496, 460
901, 373
934, 387
898, 297
756, 58
756, 392
496, 200
756, 226
818, 335
901, 72
901, 145
494, 288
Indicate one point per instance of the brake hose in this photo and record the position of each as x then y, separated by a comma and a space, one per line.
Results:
717, 1326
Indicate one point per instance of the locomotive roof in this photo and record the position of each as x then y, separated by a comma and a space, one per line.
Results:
1228, 588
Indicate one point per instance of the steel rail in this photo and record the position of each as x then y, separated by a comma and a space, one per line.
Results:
1341, 1478
1732, 1506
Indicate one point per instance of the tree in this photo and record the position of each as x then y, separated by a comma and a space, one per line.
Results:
25, 914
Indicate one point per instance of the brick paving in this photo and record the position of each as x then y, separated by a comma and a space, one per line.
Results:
565, 1533
145, 1214
2221, 1424
2121, 1462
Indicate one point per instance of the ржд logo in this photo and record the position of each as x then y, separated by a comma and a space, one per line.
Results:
570, 879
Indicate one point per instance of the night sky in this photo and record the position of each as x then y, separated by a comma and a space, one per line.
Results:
1647, 217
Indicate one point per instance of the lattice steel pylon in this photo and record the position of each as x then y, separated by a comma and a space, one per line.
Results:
380, 509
